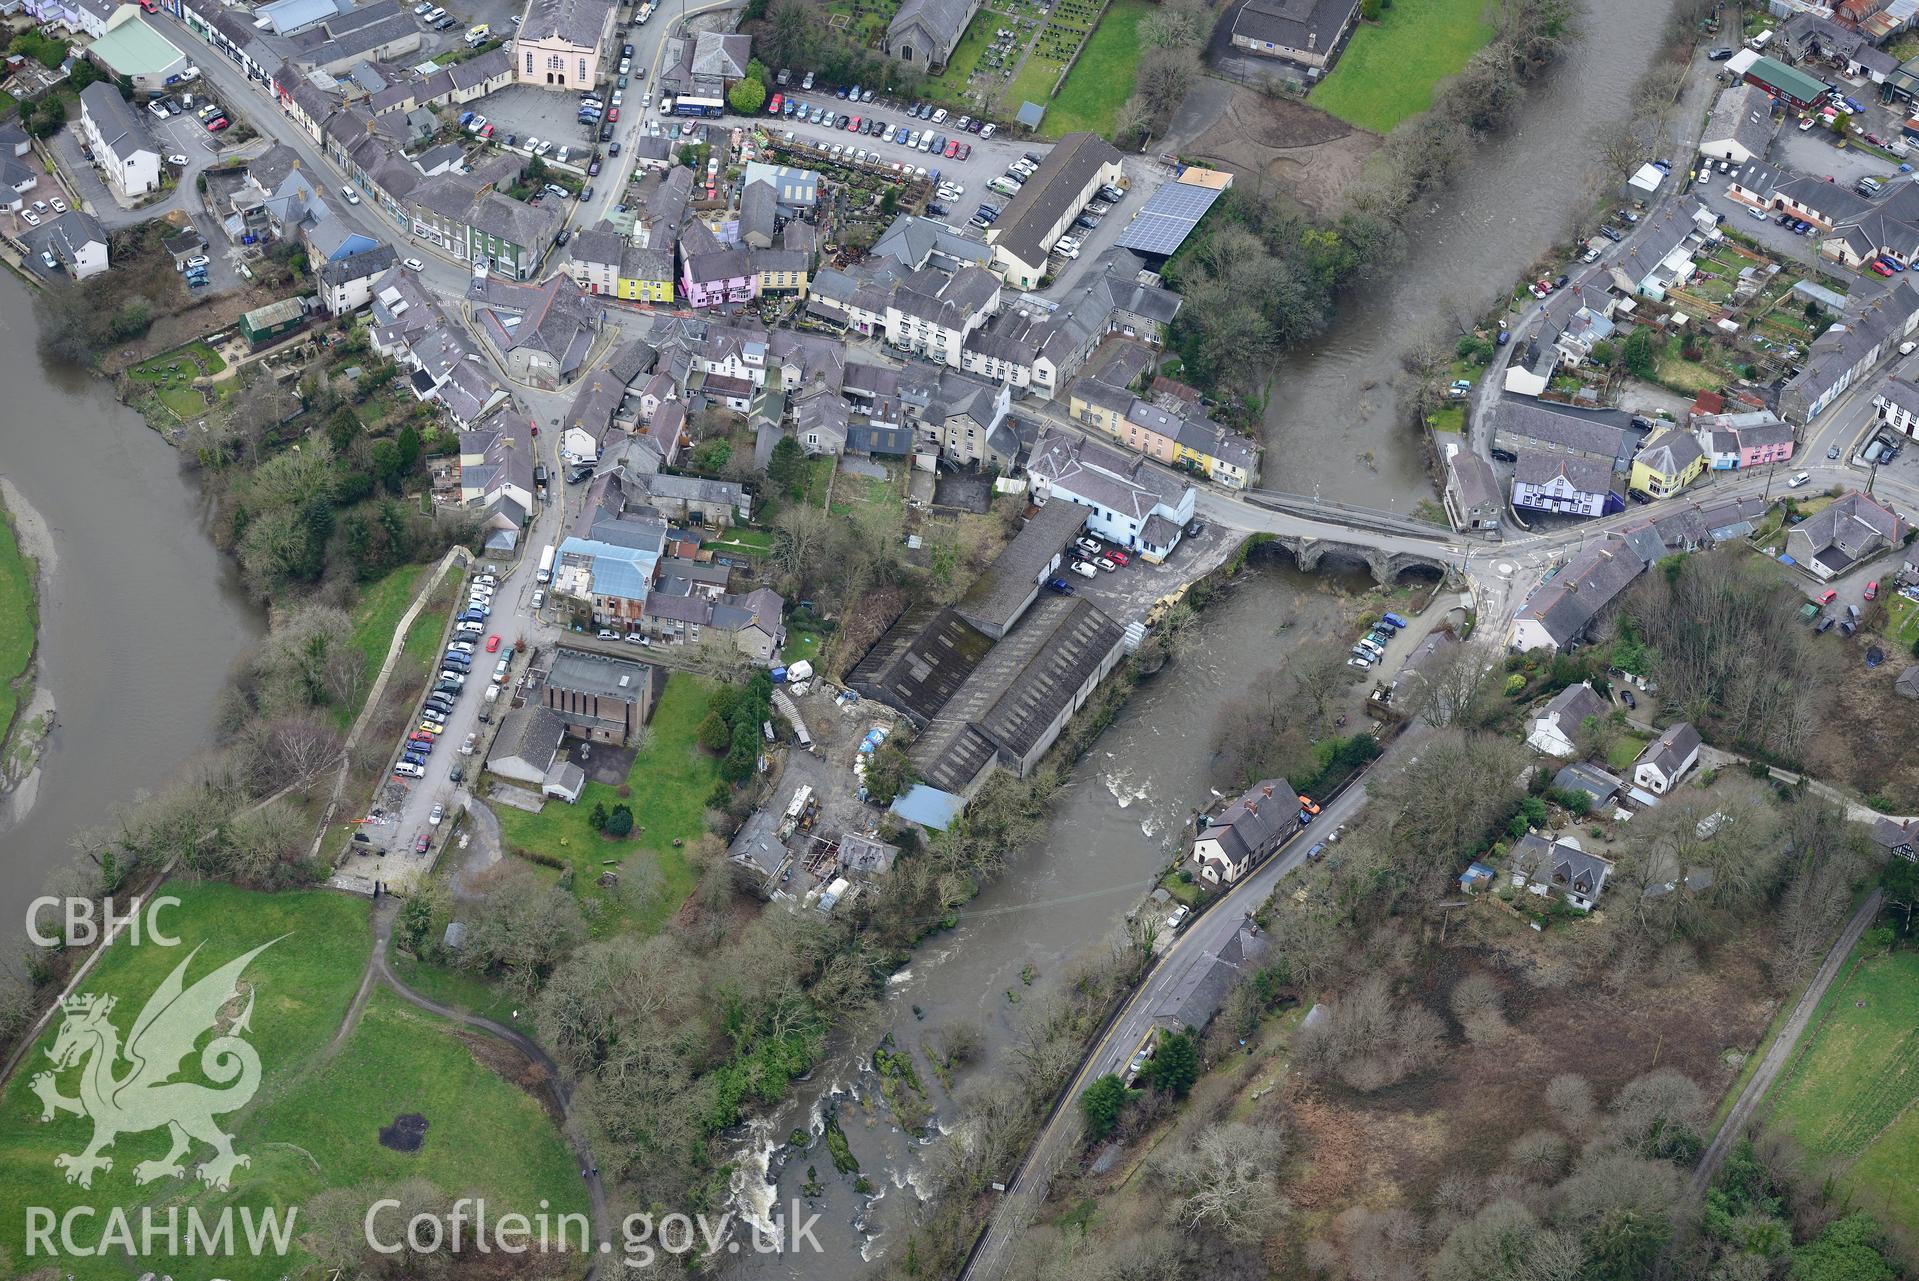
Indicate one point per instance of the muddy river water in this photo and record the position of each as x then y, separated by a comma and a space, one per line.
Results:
141, 623
1336, 423
1334, 428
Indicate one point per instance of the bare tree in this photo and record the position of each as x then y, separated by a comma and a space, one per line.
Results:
1476, 1003
1570, 1097
1228, 1181
1368, 1040
1451, 681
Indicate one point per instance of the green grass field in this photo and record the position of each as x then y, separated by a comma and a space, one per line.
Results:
303, 985
1032, 84
19, 621
949, 84
1103, 77
671, 778
315, 1120
423, 638
1390, 67
1848, 1096
375, 615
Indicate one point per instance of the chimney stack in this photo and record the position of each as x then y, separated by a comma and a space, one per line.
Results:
1267, 790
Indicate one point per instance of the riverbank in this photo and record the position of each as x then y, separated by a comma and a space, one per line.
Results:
26, 706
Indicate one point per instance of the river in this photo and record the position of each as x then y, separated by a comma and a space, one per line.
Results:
1065, 896
1336, 423
141, 624
1116, 825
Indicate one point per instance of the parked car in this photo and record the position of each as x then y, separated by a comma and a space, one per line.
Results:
1084, 570
1061, 586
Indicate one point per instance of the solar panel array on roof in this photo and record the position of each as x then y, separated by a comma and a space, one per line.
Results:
1167, 218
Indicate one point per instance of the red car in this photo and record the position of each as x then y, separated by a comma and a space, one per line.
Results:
217, 125
493, 644
1881, 267
1117, 556
1872, 590
612, 115
773, 107
952, 149
150, 6
853, 125
1828, 596
424, 844
966, 149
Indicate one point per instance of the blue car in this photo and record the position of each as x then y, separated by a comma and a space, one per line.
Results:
1394, 619
1060, 585
900, 135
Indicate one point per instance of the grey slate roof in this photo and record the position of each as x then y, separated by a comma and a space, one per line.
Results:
578, 22
1294, 24
1257, 820
1565, 866
1589, 583
121, 128
1537, 467
1743, 115
1844, 532
998, 595
588, 672
1521, 422
944, 20
1053, 192
1670, 750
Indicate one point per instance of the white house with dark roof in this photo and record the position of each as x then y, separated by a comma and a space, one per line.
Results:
76, 240
347, 284
1741, 126
1561, 608
1897, 404
1564, 485
1667, 758
1132, 503
924, 33
1035, 219
1245, 833
1553, 726
122, 149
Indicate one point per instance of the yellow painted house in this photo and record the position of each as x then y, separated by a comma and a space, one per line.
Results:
646, 275
1670, 460
780, 271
